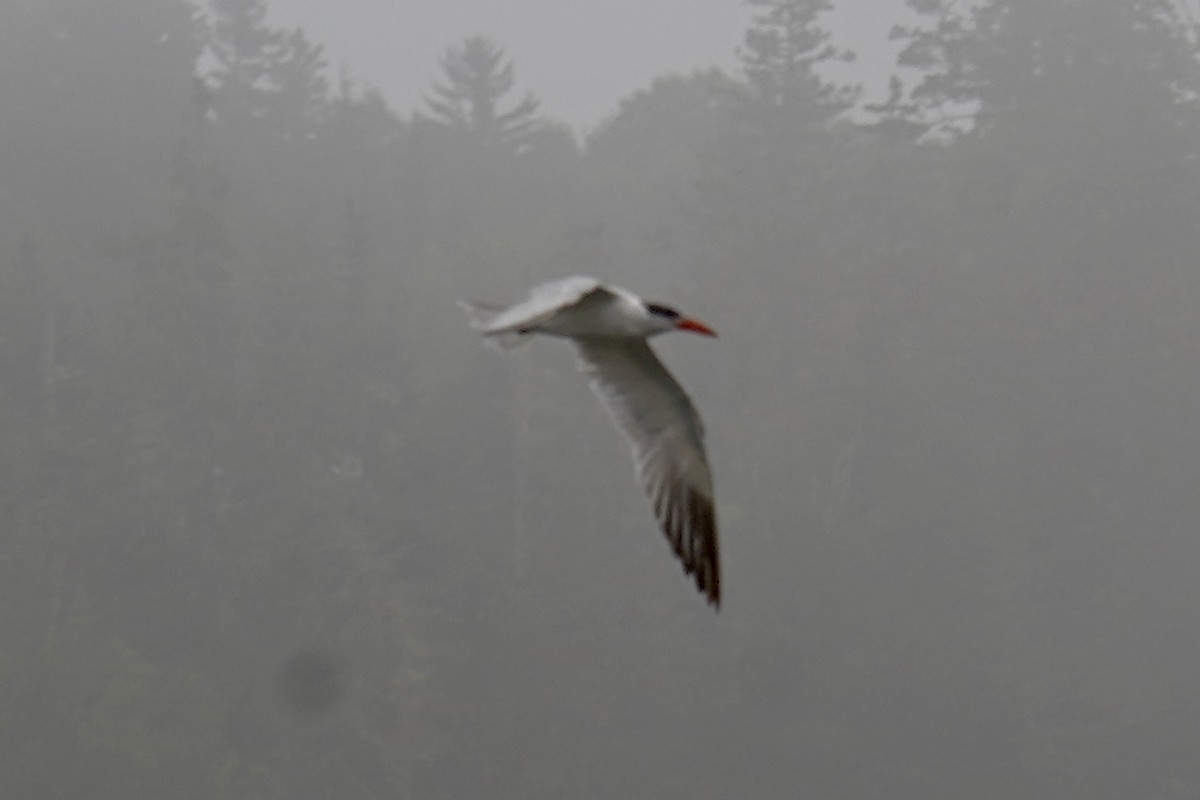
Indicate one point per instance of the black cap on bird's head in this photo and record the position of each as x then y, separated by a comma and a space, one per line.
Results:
677, 320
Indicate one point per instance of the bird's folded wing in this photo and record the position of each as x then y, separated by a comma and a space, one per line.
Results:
666, 435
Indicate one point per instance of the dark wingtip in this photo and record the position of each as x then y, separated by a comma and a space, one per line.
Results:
696, 547
708, 578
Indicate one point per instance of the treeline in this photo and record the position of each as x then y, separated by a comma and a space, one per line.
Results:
269, 522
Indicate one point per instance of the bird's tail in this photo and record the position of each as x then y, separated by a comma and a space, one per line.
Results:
482, 315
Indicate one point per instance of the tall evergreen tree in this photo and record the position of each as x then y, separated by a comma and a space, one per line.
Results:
1028, 61
783, 46
244, 49
762, 181
271, 77
1066, 100
477, 77
788, 102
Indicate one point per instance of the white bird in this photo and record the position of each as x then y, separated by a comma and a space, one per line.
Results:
610, 325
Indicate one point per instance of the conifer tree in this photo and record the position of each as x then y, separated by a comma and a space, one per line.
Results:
477, 77
780, 54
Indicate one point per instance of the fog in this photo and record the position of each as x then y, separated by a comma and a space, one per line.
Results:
580, 57
277, 524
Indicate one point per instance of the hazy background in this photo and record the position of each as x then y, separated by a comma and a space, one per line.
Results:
579, 58
277, 525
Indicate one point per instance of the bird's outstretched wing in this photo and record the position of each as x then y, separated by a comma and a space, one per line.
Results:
506, 324
666, 435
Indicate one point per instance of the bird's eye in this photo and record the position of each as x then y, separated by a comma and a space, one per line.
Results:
662, 311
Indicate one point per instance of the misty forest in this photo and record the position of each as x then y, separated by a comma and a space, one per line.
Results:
275, 524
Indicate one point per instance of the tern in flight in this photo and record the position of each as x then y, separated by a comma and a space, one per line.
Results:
610, 326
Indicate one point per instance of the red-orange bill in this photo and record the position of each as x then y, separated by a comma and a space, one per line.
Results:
694, 326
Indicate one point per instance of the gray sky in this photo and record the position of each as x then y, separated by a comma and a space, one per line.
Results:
579, 58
